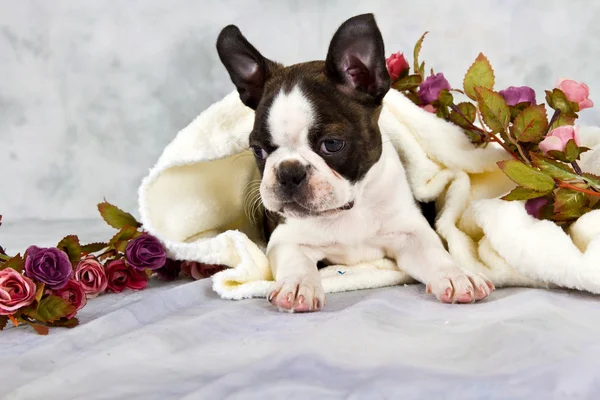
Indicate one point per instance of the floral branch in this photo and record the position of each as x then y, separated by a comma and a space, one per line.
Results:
48, 286
544, 153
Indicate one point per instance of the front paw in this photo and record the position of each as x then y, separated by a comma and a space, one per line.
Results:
460, 287
301, 293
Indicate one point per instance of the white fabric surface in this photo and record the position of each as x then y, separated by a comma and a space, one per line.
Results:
180, 340
195, 199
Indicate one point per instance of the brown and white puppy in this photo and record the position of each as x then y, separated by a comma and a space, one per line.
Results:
338, 185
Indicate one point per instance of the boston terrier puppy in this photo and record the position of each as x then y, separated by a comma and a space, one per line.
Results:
336, 186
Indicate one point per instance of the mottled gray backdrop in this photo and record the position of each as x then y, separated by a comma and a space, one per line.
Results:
92, 90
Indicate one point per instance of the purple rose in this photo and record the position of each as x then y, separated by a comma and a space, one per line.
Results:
515, 95
50, 265
145, 251
170, 270
430, 89
534, 207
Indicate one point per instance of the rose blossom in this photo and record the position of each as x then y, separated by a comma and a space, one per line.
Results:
74, 293
430, 89
534, 206
145, 251
138, 279
170, 270
198, 270
515, 95
396, 65
49, 265
90, 274
16, 291
121, 276
557, 139
576, 92
117, 275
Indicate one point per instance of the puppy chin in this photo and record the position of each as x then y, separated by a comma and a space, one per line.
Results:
300, 211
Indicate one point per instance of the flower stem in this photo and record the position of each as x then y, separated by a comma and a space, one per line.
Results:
577, 189
553, 120
519, 148
576, 167
493, 137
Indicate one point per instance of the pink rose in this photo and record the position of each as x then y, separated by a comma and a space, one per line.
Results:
16, 291
429, 108
90, 274
74, 293
557, 139
396, 65
576, 92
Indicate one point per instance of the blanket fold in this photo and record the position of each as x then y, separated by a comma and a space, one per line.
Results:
200, 200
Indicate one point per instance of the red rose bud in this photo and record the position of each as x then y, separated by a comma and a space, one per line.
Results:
138, 280
198, 270
170, 270
117, 274
74, 293
396, 65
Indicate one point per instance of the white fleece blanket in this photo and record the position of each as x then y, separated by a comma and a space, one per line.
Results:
195, 200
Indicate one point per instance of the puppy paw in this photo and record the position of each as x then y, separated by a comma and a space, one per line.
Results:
460, 287
302, 293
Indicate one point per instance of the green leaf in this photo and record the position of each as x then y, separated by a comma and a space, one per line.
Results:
563, 120
40, 329
517, 108
531, 124
526, 176
572, 151
555, 169
422, 69
125, 234
468, 110
116, 217
408, 83
479, 74
592, 180
494, 110
66, 323
3, 321
571, 214
17, 263
558, 155
557, 100
445, 98
521, 193
93, 247
52, 308
70, 245
567, 199
39, 292
416, 52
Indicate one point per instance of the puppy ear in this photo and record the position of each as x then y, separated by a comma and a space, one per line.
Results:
247, 68
356, 57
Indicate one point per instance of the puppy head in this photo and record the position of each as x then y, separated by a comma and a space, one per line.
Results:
316, 131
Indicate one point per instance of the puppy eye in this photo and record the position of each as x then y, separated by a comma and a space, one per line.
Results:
259, 152
330, 146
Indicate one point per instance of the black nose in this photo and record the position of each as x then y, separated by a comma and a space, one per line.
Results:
291, 174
